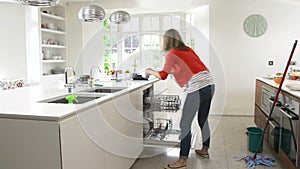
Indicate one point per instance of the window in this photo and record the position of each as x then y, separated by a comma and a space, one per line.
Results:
171, 22
151, 51
110, 51
139, 41
130, 44
150, 23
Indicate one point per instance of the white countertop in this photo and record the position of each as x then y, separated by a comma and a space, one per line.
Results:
24, 103
271, 82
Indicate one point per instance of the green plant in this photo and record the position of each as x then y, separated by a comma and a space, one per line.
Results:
106, 24
127, 71
106, 64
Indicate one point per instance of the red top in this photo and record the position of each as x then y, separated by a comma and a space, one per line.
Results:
184, 64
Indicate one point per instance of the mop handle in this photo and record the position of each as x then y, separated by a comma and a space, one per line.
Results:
284, 73
276, 97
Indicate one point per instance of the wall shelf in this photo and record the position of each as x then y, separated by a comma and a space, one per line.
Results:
50, 16
56, 17
54, 61
53, 31
53, 46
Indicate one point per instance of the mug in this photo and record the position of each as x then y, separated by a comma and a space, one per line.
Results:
51, 26
46, 55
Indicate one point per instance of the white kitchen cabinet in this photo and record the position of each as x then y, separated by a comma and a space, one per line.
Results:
53, 39
78, 149
105, 136
124, 117
29, 144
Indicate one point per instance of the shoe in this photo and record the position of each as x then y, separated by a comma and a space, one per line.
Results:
180, 167
198, 152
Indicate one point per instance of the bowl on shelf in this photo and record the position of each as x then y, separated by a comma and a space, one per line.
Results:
277, 79
54, 57
57, 57
51, 26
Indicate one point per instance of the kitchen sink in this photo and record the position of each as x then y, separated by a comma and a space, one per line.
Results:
81, 98
105, 89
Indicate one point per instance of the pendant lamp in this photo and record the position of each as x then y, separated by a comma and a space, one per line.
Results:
40, 3
91, 13
119, 17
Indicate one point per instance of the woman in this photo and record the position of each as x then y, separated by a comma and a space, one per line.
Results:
194, 77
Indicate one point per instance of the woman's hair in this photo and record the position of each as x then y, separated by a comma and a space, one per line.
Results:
172, 40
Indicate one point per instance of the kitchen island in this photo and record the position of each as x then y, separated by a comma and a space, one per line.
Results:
103, 133
282, 133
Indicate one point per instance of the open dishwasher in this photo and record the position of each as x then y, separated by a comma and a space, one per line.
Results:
161, 119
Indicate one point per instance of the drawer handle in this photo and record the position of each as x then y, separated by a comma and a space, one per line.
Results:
288, 115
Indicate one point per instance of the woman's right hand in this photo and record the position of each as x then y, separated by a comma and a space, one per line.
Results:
149, 71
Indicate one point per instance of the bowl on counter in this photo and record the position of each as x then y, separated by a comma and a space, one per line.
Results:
294, 75
293, 85
277, 79
84, 79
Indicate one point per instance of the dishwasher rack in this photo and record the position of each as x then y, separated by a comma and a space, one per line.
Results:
162, 133
160, 130
161, 102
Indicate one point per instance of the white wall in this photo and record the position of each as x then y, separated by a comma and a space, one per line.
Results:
12, 41
33, 48
244, 58
75, 42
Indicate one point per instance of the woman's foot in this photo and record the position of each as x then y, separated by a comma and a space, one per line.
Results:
179, 164
202, 153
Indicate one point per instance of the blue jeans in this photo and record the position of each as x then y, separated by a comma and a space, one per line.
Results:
198, 101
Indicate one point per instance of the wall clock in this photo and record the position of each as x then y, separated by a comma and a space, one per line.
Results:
255, 25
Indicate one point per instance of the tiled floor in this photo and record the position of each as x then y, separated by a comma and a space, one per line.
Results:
228, 140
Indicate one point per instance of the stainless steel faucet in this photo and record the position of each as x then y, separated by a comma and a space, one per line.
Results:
91, 74
68, 84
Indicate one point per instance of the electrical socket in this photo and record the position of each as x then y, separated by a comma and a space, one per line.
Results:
270, 62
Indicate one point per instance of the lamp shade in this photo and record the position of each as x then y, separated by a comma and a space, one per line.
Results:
91, 13
119, 17
40, 3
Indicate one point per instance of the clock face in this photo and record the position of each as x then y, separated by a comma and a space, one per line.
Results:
255, 25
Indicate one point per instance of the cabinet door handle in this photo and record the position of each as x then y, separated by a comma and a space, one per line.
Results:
272, 124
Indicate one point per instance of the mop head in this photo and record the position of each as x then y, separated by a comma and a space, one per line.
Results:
259, 160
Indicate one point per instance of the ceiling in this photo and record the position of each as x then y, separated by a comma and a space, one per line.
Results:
142, 6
